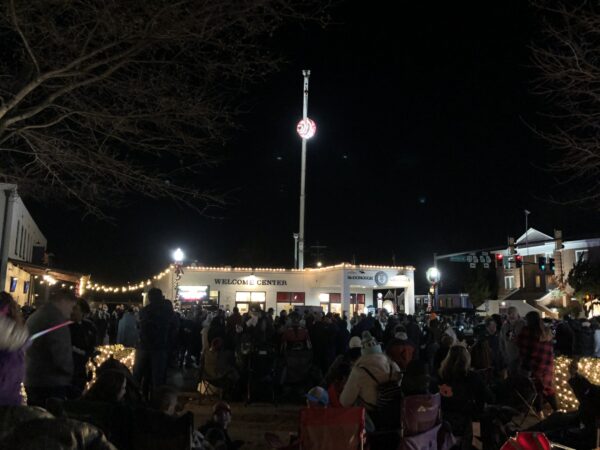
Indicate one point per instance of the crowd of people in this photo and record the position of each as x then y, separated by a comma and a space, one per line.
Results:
371, 360
44, 363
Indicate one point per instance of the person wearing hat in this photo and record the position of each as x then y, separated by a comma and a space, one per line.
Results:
317, 397
371, 369
338, 372
349, 357
215, 430
399, 349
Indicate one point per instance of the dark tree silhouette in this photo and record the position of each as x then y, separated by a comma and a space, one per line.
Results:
102, 98
568, 58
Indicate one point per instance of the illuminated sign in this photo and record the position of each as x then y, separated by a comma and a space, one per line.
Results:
193, 293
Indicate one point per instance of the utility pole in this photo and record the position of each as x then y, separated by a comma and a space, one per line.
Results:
527, 212
306, 129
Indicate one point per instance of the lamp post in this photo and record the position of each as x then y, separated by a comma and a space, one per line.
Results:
306, 128
178, 257
434, 276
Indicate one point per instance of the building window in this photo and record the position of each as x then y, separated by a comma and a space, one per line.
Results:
250, 297
538, 281
291, 297
20, 249
581, 255
17, 239
13, 284
509, 282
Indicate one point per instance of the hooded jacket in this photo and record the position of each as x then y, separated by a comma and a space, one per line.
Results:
49, 359
360, 387
128, 332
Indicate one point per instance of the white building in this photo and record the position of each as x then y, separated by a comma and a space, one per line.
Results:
20, 239
340, 288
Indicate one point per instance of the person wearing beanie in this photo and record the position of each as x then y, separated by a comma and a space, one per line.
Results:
399, 349
355, 342
371, 369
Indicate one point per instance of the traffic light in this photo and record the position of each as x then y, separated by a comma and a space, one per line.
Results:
551, 264
511, 246
518, 261
542, 263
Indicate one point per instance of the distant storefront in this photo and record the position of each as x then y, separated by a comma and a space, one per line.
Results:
340, 288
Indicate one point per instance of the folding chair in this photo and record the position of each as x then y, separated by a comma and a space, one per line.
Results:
525, 394
332, 428
208, 387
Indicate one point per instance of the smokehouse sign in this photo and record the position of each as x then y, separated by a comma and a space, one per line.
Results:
250, 282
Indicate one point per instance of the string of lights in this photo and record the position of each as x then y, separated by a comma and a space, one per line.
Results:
125, 355
588, 367
91, 286
131, 287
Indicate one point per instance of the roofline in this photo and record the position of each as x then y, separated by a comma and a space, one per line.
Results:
343, 265
128, 287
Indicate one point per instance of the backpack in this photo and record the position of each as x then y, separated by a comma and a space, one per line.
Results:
389, 397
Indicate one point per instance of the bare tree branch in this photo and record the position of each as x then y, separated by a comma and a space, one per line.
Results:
106, 98
567, 56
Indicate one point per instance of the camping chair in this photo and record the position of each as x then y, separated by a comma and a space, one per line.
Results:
207, 386
522, 394
332, 428
420, 413
261, 374
420, 425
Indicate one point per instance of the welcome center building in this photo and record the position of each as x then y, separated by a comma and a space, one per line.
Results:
339, 288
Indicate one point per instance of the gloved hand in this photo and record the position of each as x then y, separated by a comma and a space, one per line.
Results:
12, 335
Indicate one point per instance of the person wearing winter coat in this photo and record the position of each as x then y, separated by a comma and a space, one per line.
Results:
399, 349
537, 358
49, 359
508, 339
83, 339
13, 337
596, 328
128, 334
361, 388
152, 350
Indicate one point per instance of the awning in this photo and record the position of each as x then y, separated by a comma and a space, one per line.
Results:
58, 274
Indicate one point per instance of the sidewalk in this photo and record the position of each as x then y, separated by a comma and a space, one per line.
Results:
249, 423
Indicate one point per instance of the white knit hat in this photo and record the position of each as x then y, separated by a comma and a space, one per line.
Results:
369, 344
355, 342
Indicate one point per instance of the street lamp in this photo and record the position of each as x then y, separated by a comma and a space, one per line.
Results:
306, 128
178, 256
434, 276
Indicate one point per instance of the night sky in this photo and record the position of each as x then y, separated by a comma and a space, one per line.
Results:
422, 146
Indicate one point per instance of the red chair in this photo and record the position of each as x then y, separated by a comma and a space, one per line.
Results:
332, 428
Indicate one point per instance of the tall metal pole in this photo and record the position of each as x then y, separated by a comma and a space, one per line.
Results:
306, 74
295, 250
526, 246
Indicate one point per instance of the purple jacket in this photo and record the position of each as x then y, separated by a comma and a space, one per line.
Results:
12, 372
13, 339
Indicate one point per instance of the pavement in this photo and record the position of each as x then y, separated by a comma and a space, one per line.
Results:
249, 422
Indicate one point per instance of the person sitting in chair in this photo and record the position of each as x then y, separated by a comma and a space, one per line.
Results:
215, 430
219, 366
